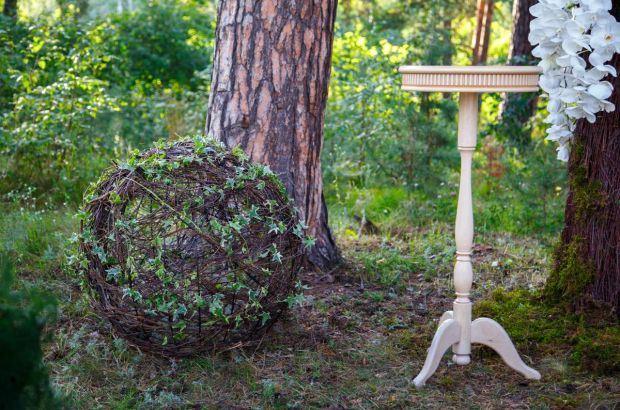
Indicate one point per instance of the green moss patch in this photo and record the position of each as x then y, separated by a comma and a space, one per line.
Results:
569, 280
588, 195
598, 350
593, 341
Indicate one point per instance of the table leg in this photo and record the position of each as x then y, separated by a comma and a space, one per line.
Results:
464, 225
455, 327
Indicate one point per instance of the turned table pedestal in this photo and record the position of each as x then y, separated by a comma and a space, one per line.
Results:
456, 327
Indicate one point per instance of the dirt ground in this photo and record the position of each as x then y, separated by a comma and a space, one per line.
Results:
355, 344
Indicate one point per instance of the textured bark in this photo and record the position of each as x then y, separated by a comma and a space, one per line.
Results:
520, 47
268, 94
518, 108
591, 237
10, 8
482, 35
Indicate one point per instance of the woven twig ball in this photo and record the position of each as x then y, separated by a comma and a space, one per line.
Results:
189, 247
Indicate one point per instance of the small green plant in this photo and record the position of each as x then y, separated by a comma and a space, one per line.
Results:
388, 266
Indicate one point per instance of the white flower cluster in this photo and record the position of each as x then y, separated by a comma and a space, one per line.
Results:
564, 31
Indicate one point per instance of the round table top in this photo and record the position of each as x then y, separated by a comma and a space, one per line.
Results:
476, 79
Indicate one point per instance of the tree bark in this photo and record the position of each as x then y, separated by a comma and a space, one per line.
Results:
520, 46
10, 8
482, 35
518, 108
268, 94
587, 266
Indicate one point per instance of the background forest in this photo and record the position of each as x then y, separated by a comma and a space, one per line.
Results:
85, 82
83, 87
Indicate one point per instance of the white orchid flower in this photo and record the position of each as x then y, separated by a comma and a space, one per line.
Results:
563, 152
563, 33
596, 5
601, 91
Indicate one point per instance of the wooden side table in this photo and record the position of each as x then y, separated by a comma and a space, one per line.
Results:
456, 328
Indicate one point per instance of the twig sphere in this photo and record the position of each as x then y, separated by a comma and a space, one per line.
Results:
189, 247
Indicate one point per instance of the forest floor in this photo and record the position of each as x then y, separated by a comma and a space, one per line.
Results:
357, 342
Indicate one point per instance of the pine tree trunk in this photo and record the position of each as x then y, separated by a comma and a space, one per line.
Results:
518, 108
520, 46
268, 94
10, 8
588, 258
482, 35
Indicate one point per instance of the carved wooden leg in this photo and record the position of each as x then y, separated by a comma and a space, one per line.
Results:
448, 333
490, 333
464, 226
446, 315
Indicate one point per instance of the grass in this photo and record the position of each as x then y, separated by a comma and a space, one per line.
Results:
357, 342
36, 238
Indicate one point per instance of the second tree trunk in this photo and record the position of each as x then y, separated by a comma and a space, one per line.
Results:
588, 258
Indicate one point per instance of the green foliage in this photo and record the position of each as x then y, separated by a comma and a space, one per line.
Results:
24, 382
529, 194
391, 155
375, 132
515, 126
36, 239
160, 45
56, 95
77, 92
388, 266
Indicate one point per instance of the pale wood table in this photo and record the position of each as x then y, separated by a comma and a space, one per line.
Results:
456, 328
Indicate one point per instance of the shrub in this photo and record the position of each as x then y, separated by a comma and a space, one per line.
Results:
24, 382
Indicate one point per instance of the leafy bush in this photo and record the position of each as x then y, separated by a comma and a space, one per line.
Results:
75, 93
375, 133
24, 382
161, 44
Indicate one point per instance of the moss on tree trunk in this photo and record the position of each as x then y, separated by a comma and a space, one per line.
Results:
587, 260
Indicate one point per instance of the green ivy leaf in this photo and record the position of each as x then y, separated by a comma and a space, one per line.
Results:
113, 272
265, 316
199, 301
309, 242
216, 308
115, 198
295, 300
253, 213
181, 310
